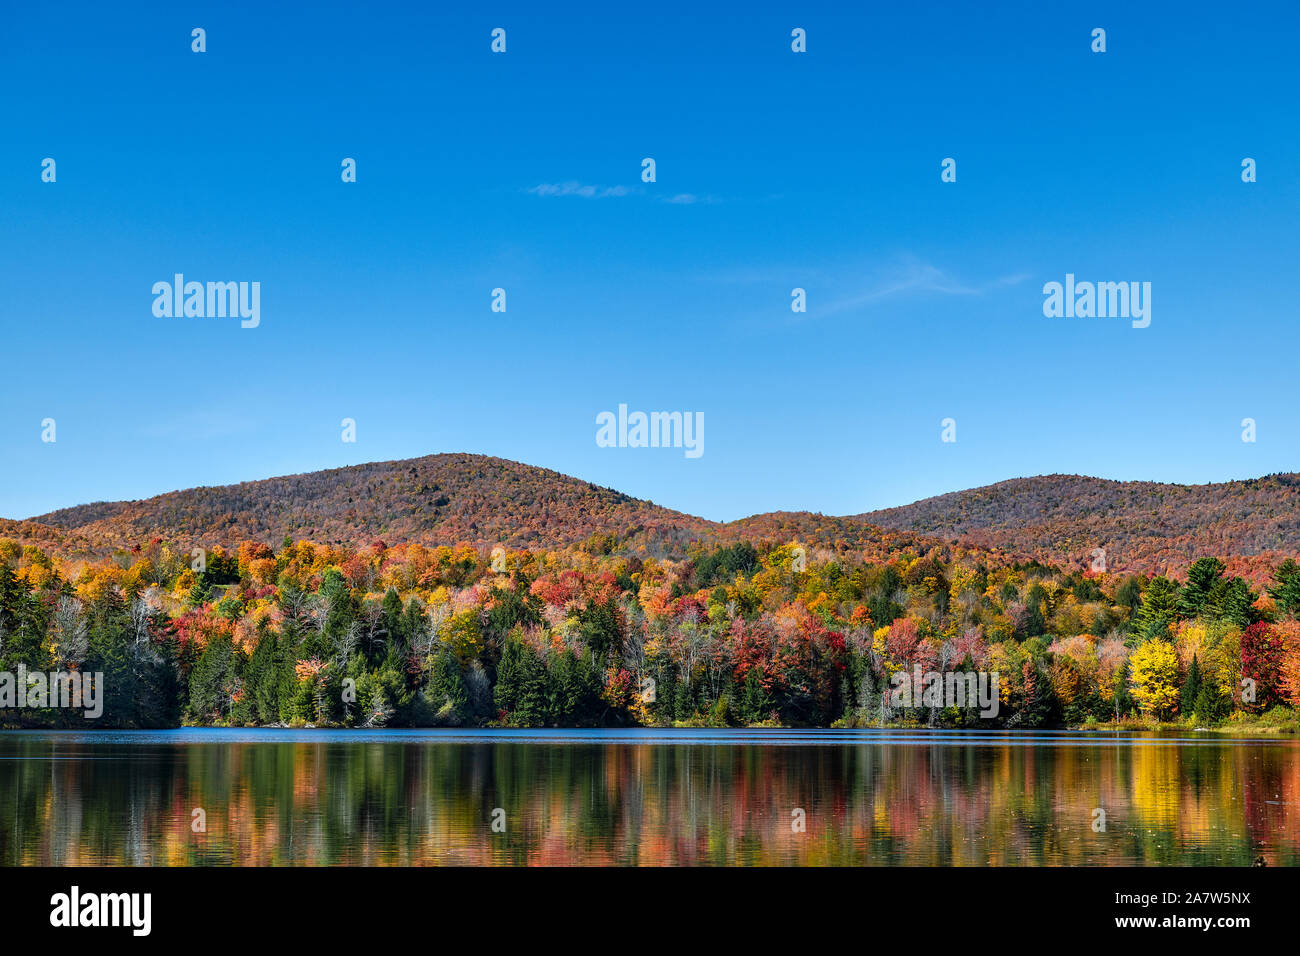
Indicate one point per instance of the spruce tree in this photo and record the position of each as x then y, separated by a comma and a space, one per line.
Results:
1191, 689
1159, 608
447, 691
506, 693
1286, 587
1202, 579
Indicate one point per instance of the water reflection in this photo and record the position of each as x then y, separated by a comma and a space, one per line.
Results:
644, 798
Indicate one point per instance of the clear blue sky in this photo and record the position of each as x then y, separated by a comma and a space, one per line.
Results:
818, 170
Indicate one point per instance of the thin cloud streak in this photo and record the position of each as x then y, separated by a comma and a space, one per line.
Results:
920, 278
582, 190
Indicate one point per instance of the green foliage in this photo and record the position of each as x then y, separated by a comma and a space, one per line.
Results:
722, 564
738, 634
1191, 688
1204, 584
1286, 587
1159, 608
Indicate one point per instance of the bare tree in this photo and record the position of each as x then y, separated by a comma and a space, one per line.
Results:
719, 659
425, 642
372, 631
70, 632
346, 645
478, 688
230, 693
296, 603
141, 617
634, 642
317, 609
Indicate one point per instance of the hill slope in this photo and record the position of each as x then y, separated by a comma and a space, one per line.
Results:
446, 499
1142, 525
437, 499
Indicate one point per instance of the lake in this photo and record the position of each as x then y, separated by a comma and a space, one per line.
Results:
646, 797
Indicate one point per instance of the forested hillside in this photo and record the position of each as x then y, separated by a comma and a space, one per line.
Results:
433, 500
1141, 525
458, 498
462, 590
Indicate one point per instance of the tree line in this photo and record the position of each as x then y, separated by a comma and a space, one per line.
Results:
733, 635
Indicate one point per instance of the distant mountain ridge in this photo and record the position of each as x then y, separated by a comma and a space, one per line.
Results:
450, 498
1141, 525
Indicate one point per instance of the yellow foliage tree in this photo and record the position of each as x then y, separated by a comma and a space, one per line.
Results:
1153, 675
461, 632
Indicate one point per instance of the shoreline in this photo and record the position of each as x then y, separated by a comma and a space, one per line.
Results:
1233, 730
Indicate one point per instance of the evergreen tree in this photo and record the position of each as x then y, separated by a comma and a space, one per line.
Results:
506, 693
393, 625
214, 681
20, 634
1159, 608
531, 709
1235, 603
1209, 704
413, 624
1129, 594
513, 607
446, 690
263, 677
1285, 591
1191, 689
602, 630
755, 702
1202, 579
1037, 603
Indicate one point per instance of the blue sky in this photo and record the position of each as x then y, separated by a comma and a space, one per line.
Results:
817, 170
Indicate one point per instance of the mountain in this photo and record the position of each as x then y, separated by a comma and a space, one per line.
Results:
1141, 525
447, 499
437, 499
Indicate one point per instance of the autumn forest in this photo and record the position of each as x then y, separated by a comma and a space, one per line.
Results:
610, 632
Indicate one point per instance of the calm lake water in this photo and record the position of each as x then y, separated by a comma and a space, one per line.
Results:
645, 797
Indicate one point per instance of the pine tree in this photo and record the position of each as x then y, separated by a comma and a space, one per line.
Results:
506, 693
413, 622
755, 704
534, 680
1159, 608
1191, 689
447, 691
1203, 709
1286, 589
1036, 603
20, 639
393, 625
1202, 580
1235, 603
263, 677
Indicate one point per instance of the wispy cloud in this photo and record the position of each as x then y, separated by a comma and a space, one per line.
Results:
592, 191
918, 278
690, 199
582, 190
